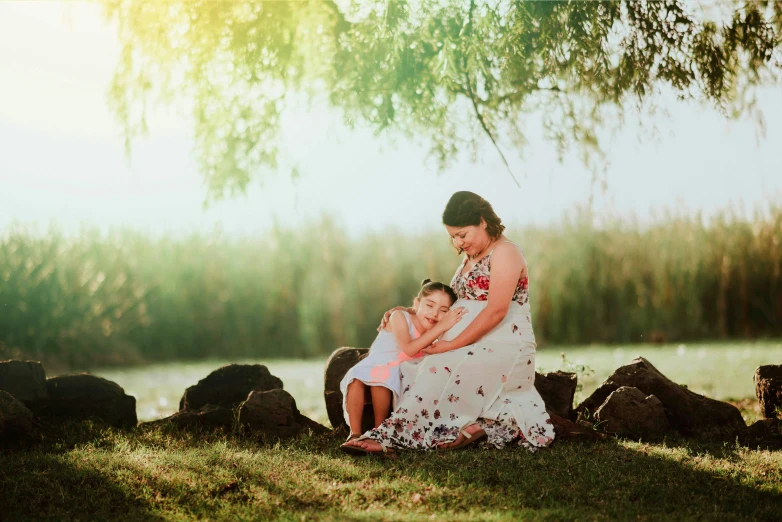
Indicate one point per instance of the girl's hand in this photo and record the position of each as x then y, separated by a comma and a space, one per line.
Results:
438, 347
387, 315
453, 316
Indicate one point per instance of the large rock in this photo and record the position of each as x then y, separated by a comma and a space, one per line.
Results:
629, 412
274, 413
768, 388
85, 396
208, 416
229, 386
690, 413
557, 390
338, 364
15, 418
25, 380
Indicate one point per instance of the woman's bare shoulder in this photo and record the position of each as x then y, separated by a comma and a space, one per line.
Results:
507, 251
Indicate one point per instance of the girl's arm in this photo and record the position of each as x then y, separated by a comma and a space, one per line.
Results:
507, 266
411, 346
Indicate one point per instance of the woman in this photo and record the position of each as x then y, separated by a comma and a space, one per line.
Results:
478, 381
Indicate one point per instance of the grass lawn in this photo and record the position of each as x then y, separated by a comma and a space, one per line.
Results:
158, 475
95, 474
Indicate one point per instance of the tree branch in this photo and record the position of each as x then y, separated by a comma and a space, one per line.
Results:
474, 99
471, 95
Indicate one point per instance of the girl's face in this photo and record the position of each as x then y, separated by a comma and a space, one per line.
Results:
431, 308
471, 239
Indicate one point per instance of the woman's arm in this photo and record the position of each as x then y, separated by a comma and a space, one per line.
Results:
507, 266
387, 316
412, 346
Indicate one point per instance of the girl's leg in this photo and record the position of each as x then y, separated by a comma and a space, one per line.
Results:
355, 405
381, 403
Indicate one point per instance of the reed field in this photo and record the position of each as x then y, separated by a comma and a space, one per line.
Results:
95, 299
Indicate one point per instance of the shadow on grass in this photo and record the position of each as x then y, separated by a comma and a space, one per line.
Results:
609, 480
218, 476
51, 486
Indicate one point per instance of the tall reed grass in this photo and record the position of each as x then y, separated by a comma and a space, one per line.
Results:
123, 297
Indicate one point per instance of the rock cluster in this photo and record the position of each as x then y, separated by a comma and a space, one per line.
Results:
637, 401
245, 395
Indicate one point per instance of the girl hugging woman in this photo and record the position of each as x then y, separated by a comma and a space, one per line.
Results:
407, 333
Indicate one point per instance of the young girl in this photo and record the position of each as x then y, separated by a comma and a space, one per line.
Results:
402, 339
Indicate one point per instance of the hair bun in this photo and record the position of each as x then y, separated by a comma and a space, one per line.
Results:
425, 282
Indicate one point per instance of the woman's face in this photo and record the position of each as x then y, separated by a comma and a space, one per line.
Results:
431, 308
471, 239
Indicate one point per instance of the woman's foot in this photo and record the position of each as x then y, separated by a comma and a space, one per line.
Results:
468, 435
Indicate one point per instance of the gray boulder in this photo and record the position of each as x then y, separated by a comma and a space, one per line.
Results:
229, 386
84, 396
25, 380
15, 418
274, 413
690, 413
768, 389
629, 412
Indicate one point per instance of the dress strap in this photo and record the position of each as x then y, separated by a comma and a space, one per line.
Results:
411, 327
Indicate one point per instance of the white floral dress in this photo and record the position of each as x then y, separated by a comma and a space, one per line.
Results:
490, 381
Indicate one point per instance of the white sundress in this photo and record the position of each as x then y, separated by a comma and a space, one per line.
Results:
380, 367
490, 382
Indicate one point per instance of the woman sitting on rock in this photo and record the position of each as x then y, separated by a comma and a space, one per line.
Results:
478, 381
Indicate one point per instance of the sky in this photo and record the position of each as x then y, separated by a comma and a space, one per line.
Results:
63, 164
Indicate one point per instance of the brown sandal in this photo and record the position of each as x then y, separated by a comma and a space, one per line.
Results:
361, 452
468, 439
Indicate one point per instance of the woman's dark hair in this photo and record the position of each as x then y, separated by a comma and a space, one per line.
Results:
465, 209
428, 287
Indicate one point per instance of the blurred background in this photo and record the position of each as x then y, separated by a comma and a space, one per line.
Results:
146, 238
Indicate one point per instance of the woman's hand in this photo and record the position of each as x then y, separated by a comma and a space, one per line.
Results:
387, 315
438, 347
453, 316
